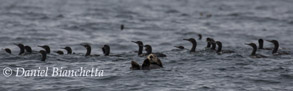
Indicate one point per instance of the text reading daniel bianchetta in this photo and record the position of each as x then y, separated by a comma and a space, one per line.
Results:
57, 72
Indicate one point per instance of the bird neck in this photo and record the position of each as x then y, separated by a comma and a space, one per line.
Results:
254, 50
213, 46
219, 48
21, 50
260, 45
193, 47
88, 51
69, 51
276, 48
44, 56
47, 50
140, 48
106, 51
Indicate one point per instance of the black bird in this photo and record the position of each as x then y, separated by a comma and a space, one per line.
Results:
106, 50
220, 51
122, 27
199, 36
21, 47
194, 44
88, 49
47, 48
276, 47
151, 62
148, 49
140, 47
260, 45
253, 53
59, 52
213, 43
44, 55
208, 42
68, 49
28, 49
7, 50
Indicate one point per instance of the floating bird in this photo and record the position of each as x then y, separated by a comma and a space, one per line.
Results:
213, 43
106, 50
47, 48
7, 50
193, 41
151, 62
21, 47
44, 55
88, 49
220, 51
208, 42
28, 49
68, 49
276, 47
260, 45
148, 49
253, 53
140, 47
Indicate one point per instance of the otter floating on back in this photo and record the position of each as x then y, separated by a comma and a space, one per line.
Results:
151, 62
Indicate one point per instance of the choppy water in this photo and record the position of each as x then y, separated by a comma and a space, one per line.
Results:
160, 23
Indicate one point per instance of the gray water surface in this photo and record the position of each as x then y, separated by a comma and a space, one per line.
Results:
160, 23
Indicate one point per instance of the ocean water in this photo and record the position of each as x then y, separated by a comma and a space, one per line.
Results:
160, 23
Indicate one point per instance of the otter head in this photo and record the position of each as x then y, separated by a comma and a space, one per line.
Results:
153, 58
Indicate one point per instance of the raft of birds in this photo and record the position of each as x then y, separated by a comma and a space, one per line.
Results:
152, 61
